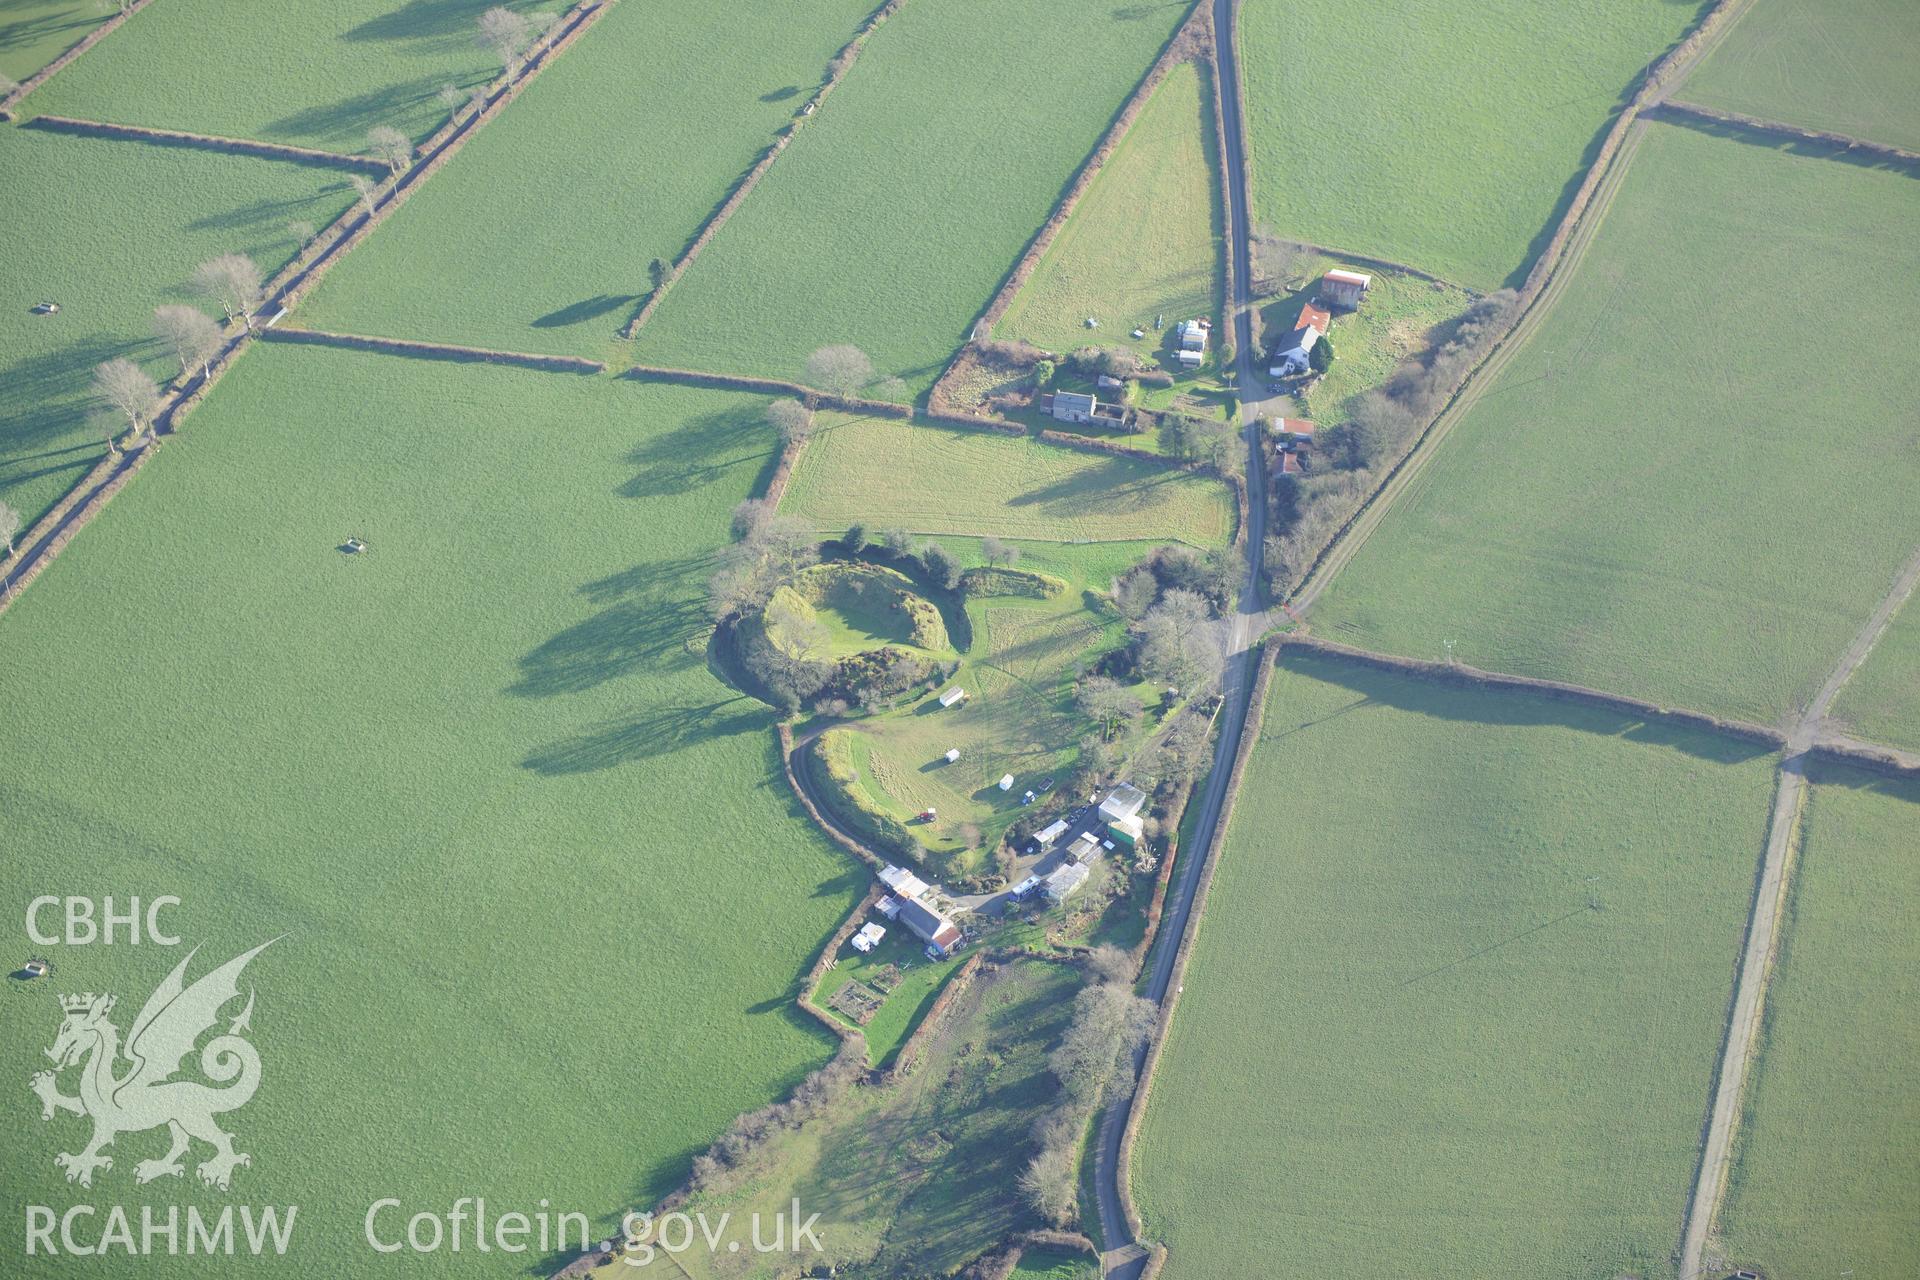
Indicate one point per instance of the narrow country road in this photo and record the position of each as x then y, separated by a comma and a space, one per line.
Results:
1124, 1256
1743, 1024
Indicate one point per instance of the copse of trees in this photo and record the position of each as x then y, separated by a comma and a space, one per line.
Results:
1094, 1058
940, 564
1310, 509
1205, 440
720, 1166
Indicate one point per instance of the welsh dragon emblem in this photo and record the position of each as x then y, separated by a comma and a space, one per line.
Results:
142, 1094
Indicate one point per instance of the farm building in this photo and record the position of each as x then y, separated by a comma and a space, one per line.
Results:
953, 696
1085, 849
1006, 782
1078, 406
1050, 833
1064, 881
1293, 353
868, 937
1291, 433
1290, 464
905, 885
1192, 336
1123, 802
1107, 382
888, 906
939, 933
1344, 288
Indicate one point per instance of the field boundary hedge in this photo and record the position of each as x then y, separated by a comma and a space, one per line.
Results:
1185, 45
433, 350
1693, 114
206, 142
1461, 675
61, 63
1872, 756
837, 69
1250, 730
834, 832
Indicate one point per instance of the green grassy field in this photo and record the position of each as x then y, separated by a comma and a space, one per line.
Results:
1143, 242
311, 75
1826, 1176
35, 32
1882, 700
909, 196
518, 836
1447, 136
1843, 66
538, 237
116, 229
982, 483
918, 1177
1649, 498
1457, 1001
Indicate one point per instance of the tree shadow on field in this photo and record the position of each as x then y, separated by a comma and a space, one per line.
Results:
647, 618
270, 213
441, 23
351, 116
52, 387
31, 31
1516, 709
584, 310
647, 735
1825, 772
699, 452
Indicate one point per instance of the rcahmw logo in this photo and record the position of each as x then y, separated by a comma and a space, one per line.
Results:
131, 1087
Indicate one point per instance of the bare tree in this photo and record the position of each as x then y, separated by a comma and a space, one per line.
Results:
453, 97
1108, 963
1109, 1022
390, 147
9, 525
364, 189
1109, 704
7, 85
232, 283
507, 34
1135, 591
1048, 1185
792, 419
124, 387
1184, 748
842, 369
892, 390
998, 551
770, 549
1179, 640
302, 232
191, 334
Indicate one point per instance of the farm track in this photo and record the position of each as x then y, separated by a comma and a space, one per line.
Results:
1756, 962
40, 544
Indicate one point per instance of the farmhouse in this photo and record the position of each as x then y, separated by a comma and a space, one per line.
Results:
1078, 406
905, 885
1192, 336
868, 937
1344, 288
1064, 881
939, 933
1293, 353
1291, 434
